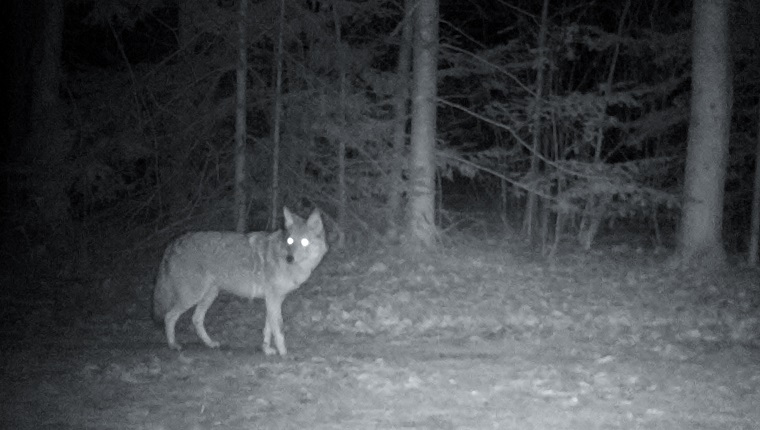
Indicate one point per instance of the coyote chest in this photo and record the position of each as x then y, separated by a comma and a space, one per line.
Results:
196, 266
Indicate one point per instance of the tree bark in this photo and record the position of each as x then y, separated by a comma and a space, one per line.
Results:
755, 224
401, 110
706, 158
276, 118
529, 218
240, 120
421, 222
343, 82
47, 144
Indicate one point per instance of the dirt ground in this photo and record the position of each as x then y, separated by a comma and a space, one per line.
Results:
471, 337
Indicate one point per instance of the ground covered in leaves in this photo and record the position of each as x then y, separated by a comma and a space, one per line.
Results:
475, 336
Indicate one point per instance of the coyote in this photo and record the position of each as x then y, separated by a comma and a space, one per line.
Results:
196, 266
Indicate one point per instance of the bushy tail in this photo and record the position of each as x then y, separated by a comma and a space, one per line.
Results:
162, 297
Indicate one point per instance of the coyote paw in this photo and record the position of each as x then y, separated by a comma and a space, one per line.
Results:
268, 350
212, 344
175, 346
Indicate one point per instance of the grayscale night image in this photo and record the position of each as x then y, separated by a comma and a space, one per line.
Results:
380, 214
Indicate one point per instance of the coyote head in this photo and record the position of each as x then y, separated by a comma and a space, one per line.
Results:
305, 239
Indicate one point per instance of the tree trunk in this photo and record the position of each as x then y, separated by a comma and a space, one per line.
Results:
529, 218
47, 144
401, 110
421, 222
276, 119
700, 232
754, 237
597, 204
240, 120
342, 193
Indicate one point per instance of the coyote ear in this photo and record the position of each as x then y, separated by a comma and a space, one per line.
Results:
315, 220
288, 217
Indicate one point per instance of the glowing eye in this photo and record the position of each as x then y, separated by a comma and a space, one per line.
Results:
290, 241
304, 242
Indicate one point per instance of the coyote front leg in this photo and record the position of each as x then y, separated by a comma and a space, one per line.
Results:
273, 327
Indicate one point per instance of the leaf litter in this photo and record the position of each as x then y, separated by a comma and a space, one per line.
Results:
468, 337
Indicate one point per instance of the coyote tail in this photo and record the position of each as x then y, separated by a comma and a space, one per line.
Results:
162, 297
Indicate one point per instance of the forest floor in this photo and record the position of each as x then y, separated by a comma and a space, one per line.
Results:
475, 336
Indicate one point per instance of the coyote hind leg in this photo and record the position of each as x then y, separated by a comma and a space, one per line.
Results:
170, 321
199, 315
